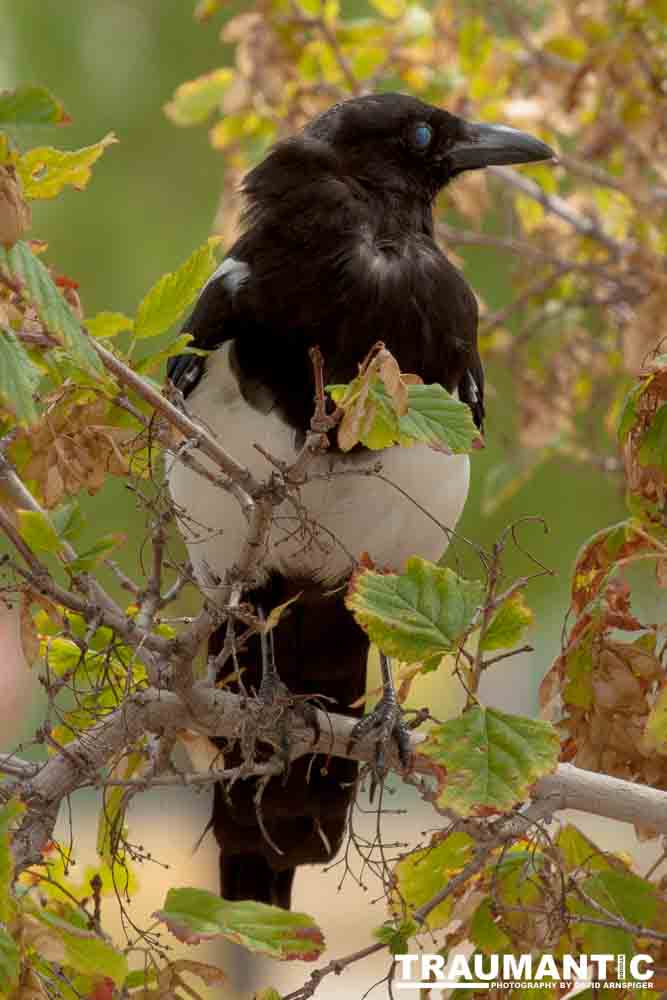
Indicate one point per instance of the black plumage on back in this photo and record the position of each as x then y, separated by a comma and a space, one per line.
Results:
337, 251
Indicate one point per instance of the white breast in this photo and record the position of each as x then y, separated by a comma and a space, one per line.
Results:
405, 513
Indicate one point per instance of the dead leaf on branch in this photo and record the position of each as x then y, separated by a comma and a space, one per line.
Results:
75, 447
15, 214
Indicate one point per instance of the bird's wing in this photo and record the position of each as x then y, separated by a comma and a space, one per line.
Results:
471, 390
212, 321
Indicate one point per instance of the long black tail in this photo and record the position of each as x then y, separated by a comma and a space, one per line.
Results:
319, 649
250, 876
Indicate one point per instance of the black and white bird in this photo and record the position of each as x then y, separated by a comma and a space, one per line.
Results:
337, 250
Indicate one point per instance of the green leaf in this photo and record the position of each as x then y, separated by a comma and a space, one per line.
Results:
579, 851
29, 105
626, 895
108, 324
85, 952
157, 358
52, 308
18, 378
438, 420
8, 814
194, 101
63, 655
37, 531
268, 994
433, 417
423, 873
68, 521
653, 449
172, 294
45, 171
193, 915
508, 624
396, 938
10, 963
140, 977
100, 550
485, 932
491, 758
417, 616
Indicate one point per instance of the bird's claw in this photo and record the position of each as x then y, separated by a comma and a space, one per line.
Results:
386, 723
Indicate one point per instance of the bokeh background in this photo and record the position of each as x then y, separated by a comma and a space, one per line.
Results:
152, 200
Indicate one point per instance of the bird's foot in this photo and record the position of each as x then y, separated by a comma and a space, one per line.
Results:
385, 723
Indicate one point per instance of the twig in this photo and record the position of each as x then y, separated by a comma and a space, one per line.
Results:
558, 206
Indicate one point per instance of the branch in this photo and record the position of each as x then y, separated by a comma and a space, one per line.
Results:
558, 206
221, 713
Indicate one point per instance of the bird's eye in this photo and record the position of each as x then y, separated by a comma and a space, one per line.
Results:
421, 136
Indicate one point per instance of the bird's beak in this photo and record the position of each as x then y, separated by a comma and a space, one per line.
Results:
485, 145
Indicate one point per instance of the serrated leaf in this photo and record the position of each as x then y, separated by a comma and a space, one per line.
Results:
491, 758
421, 614
84, 951
438, 419
37, 531
194, 101
10, 963
172, 294
45, 171
433, 417
52, 308
30, 105
423, 873
507, 625
193, 915
108, 324
18, 378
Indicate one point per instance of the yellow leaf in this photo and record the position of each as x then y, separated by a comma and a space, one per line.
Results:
45, 171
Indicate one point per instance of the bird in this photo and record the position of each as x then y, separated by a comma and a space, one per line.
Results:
337, 251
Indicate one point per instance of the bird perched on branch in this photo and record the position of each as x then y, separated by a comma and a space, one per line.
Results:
338, 251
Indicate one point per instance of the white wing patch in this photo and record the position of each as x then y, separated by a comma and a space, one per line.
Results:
233, 273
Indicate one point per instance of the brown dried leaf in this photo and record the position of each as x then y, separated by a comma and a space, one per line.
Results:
15, 214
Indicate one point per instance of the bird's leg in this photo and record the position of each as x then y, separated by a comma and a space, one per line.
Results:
272, 691
271, 687
387, 719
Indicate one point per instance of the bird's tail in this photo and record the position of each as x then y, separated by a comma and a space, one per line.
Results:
249, 876
319, 650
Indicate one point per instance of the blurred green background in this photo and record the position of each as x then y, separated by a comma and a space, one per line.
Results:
152, 199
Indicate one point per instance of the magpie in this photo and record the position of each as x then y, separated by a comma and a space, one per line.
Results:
337, 250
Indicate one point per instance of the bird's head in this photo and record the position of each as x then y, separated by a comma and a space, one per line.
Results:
395, 142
